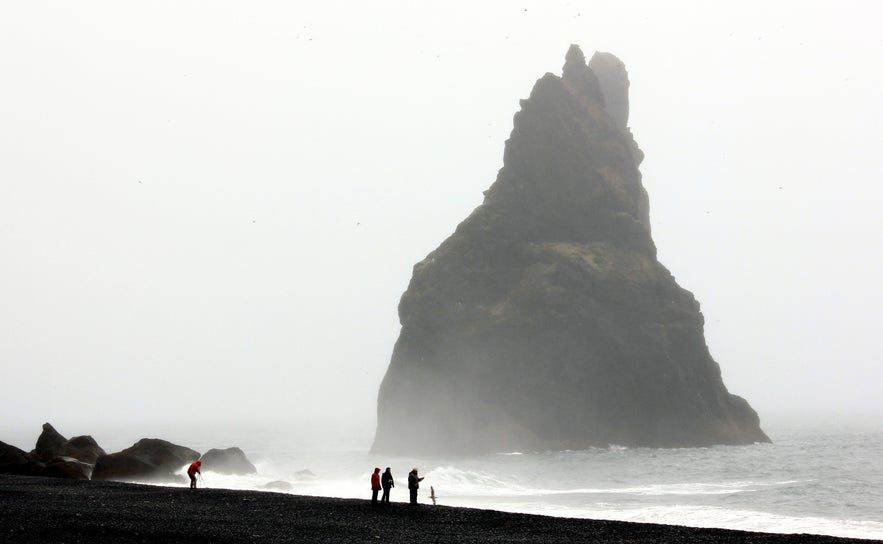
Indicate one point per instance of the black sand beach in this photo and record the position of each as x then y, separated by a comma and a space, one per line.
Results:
67, 511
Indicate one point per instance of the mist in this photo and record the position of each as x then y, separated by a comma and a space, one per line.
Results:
209, 213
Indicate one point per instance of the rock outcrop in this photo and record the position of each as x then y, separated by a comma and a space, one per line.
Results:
82, 448
150, 459
16, 461
53, 456
49, 444
546, 321
227, 461
67, 467
81, 458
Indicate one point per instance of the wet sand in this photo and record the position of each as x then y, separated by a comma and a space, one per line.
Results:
66, 511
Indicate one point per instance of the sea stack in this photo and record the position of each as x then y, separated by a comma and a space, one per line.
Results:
546, 321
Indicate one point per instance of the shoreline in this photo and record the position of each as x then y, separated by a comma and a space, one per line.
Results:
53, 510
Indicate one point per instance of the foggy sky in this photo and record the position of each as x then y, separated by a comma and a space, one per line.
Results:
209, 211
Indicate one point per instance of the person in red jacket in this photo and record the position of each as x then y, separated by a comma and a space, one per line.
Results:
192, 472
375, 486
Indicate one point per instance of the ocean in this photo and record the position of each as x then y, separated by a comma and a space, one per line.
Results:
818, 479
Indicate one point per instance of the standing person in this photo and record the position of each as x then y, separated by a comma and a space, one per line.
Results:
387, 482
192, 471
375, 486
414, 485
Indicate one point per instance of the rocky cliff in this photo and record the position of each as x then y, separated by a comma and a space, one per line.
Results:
546, 321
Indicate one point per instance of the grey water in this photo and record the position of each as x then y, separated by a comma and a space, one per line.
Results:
812, 479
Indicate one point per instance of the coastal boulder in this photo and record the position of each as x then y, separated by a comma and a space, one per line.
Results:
49, 444
54, 456
83, 448
16, 461
149, 459
67, 467
227, 461
546, 321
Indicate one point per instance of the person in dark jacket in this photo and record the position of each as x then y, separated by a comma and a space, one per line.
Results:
375, 486
387, 483
192, 471
414, 485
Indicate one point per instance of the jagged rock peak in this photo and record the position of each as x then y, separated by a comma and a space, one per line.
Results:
574, 57
614, 81
49, 444
577, 74
561, 129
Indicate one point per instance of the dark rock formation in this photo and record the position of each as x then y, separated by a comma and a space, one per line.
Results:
53, 456
16, 461
613, 81
82, 448
546, 321
49, 444
150, 459
227, 461
67, 467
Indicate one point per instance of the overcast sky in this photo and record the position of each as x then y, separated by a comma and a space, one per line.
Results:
209, 210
